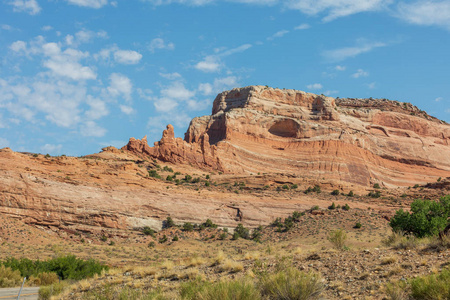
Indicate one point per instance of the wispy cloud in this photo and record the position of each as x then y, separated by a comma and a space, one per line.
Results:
213, 63
278, 34
314, 86
160, 44
430, 13
28, 6
302, 26
360, 73
341, 54
438, 99
340, 68
127, 57
89, 3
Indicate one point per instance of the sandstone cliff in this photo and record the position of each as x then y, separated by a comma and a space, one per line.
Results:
355, 141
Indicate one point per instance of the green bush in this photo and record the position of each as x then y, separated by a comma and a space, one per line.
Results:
175, 238
338, 238
435, 286
167, 169
358, 225
66, 267
163, 239
346, 207
241, 231
350, 194
290, 283
376, 194
48, 278
209, 224
188, 226
426, 218
154, 174
168, 223
335, 193
332, 206
9, 277
148, 231
376, 186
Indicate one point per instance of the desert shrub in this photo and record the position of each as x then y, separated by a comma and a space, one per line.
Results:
148, 231
257, 234
154, 174
358, 225
209, 224
169, 178
163, 239
376, 186
207, 183
103, 238
48, 278
296, 216
315, 207
175, 238
426, 218
290, 283
346, 207
168, 169
66, 267
187, 178
396, 290
335, 193
151, 244
338, 238
285, 187
350, 194
168, 223
188, 226
332, 206
241, 232
399, 240
223, 236
294, 186
46, 292
434, 286
9, 277
376, 194
195, 180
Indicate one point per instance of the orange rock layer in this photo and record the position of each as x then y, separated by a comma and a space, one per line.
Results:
356, 141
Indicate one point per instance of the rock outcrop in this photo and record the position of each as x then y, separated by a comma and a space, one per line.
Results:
356, 141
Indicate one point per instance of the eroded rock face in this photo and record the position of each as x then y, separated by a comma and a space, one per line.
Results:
357, 141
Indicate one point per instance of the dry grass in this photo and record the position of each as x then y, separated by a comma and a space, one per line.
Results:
195, 261
231, 266
220, 257
389, 260
252, 255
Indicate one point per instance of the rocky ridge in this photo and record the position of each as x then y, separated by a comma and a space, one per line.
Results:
258, 129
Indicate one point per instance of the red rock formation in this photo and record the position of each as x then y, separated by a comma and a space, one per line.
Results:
358, 141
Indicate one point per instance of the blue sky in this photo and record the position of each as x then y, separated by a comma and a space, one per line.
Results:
79, 75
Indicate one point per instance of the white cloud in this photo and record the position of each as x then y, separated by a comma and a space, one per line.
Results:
120, 85
46, 28
314, 86
329, 93
278, 34
170, 76
302, 26
360, 73
165, 104
341, 54
89, 3
178, 91
4, 143
371, 85
428, 13
28, 6
6, 27
18, 46
127, 57
438, 99
84, 36
340, 68
97, 109
160, 44
70, 69
51, 149
205, 88
210, 64
128, 110
336, 8
90, 128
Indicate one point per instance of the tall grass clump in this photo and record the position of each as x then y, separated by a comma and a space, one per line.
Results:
242, 289
434, 286
291, 283
338, 238
46, 292
9, 277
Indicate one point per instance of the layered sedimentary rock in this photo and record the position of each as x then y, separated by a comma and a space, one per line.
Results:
356, 141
